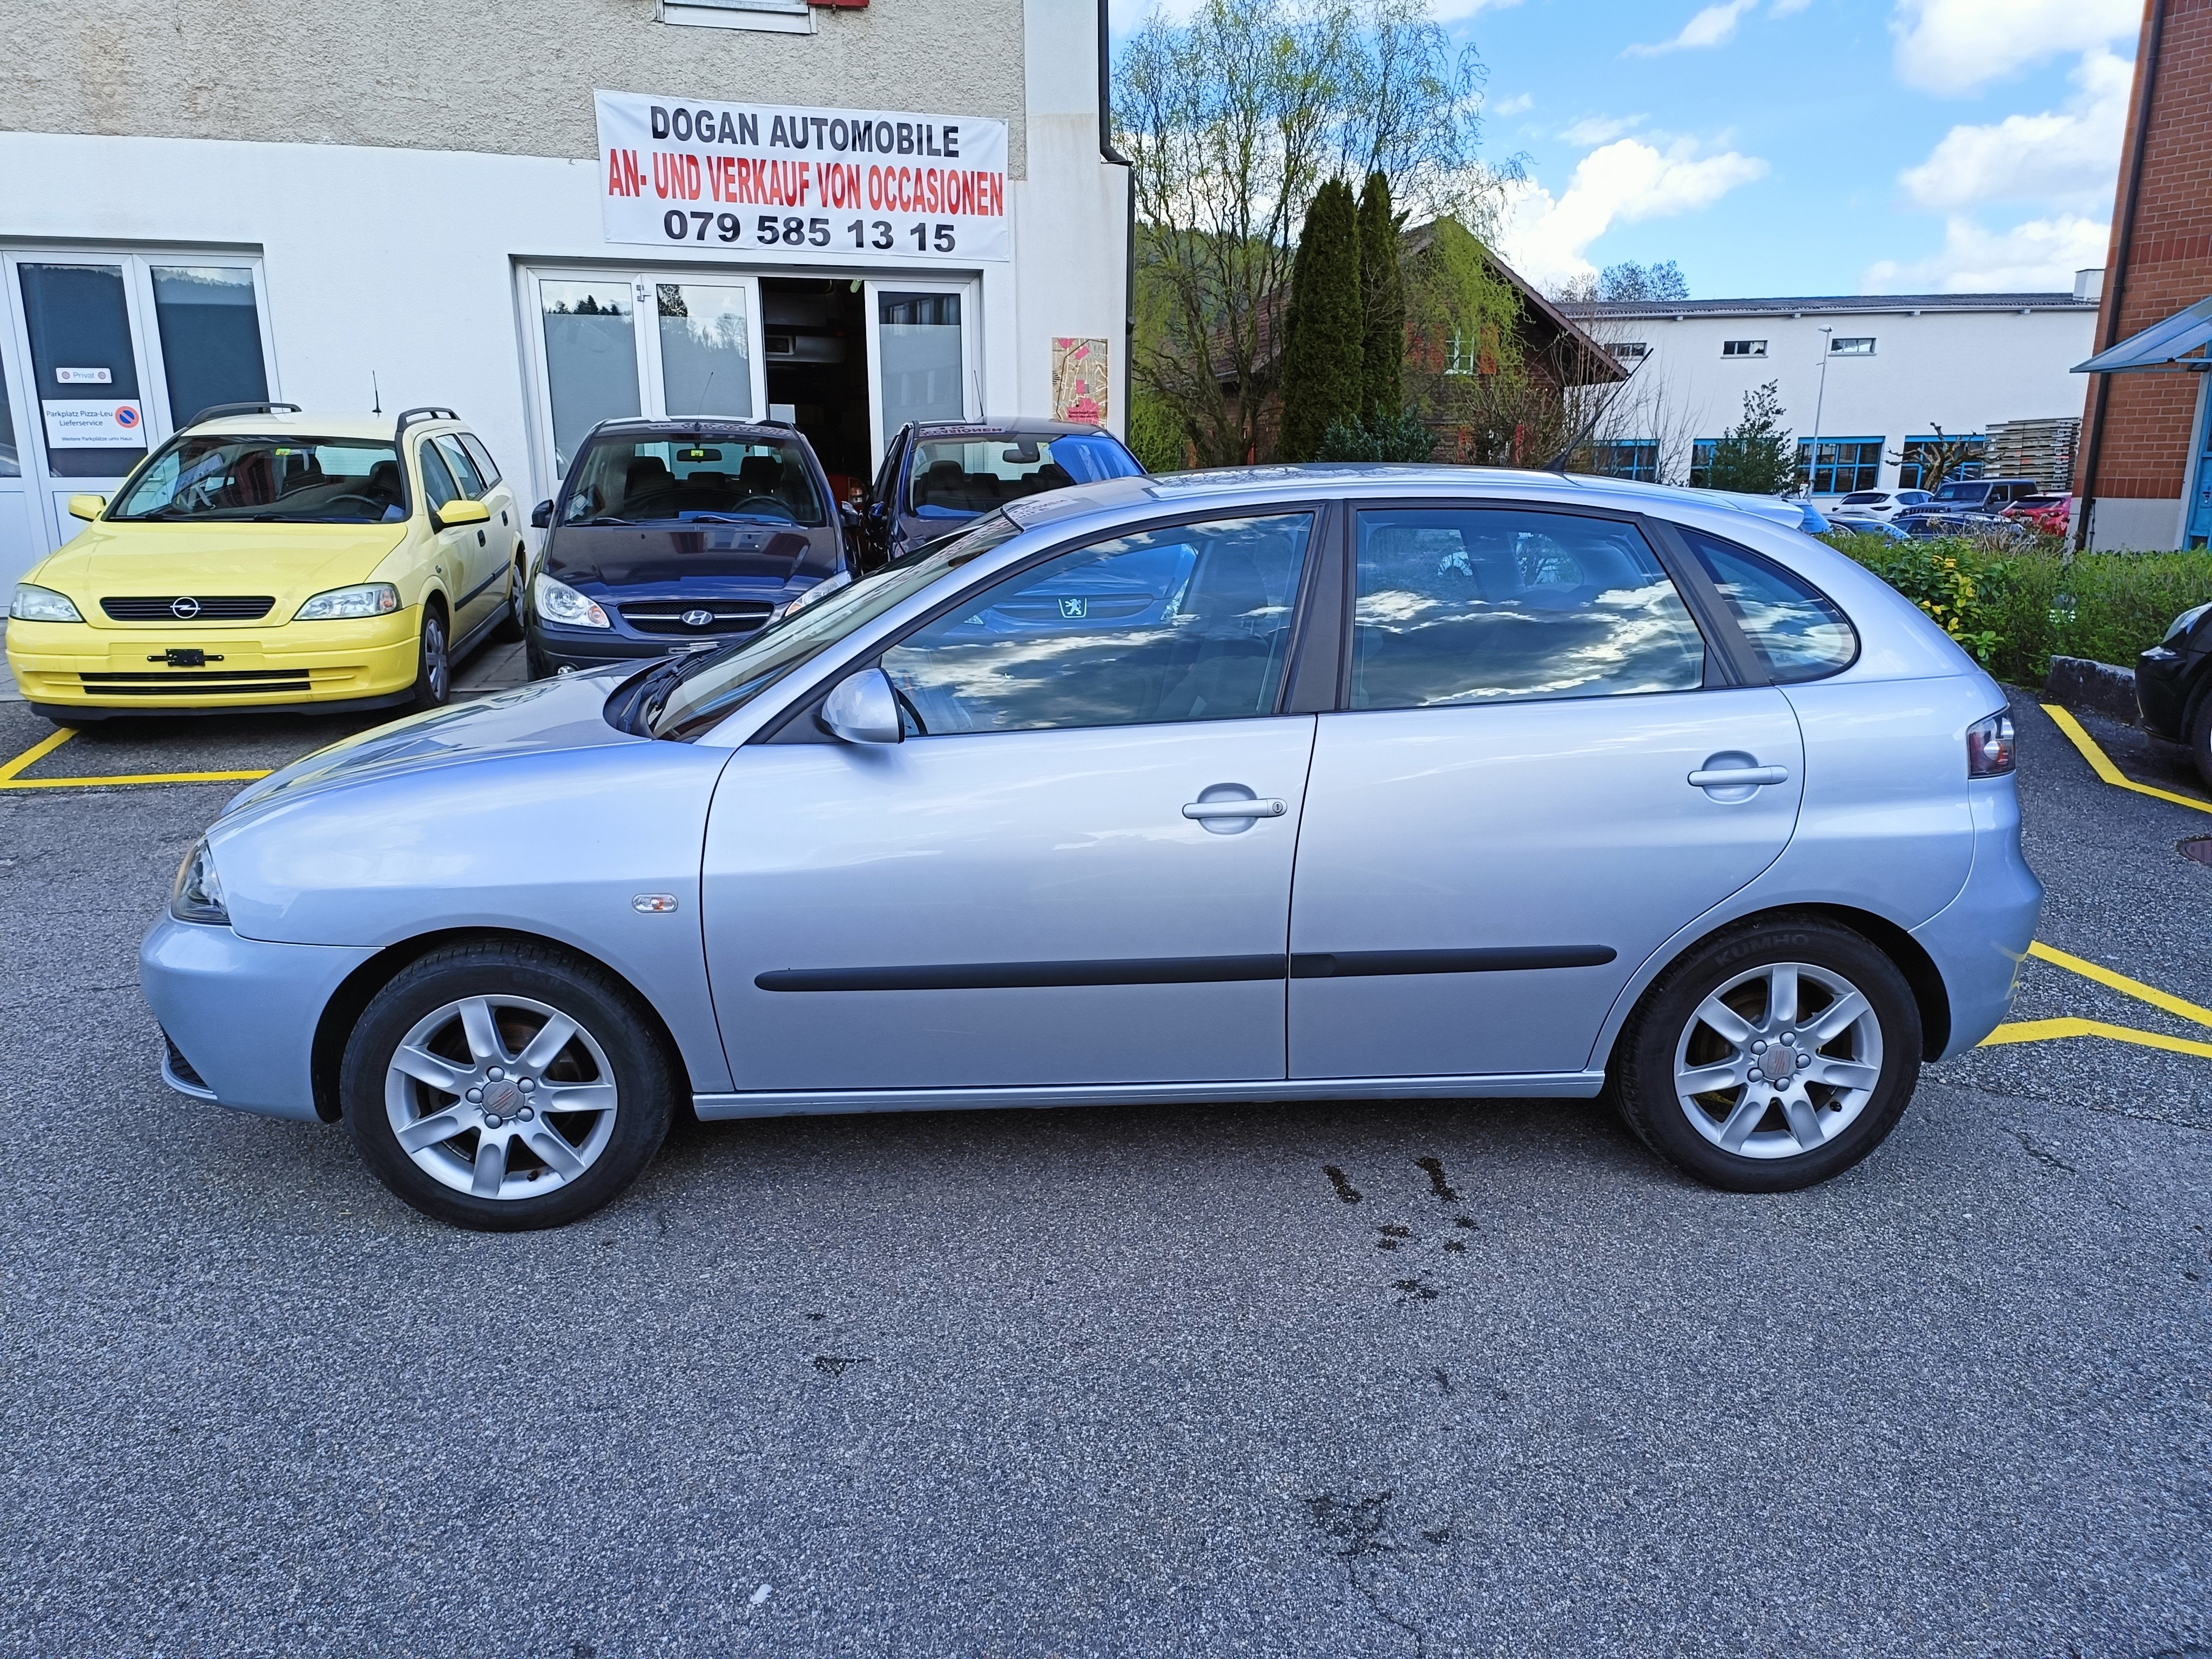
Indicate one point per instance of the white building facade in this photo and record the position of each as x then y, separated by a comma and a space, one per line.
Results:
1869, 377
540, 216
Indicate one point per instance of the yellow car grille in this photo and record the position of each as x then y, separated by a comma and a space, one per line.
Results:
186, 607
214, 683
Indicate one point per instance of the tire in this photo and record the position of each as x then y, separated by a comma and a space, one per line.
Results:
1833, 1106
434, 661
508, 1166
2200, 738
508, 630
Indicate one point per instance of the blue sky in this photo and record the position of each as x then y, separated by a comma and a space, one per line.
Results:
1786, 146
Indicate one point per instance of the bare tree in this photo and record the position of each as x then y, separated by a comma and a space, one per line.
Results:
1231, 121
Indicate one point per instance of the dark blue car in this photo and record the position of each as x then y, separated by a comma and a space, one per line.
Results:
673, 536
939, 475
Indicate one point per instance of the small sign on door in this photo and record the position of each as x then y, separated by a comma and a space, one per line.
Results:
71, 424
85, 376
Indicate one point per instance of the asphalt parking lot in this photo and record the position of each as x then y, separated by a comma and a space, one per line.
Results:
1431, 1378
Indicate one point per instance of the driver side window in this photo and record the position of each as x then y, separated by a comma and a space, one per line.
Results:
437, 485
1185, 624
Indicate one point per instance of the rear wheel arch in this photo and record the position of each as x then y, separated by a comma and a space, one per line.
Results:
359, 988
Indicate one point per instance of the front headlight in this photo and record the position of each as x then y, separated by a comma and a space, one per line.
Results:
198, 895
557, 602
350, 604
2181, 624
33, 603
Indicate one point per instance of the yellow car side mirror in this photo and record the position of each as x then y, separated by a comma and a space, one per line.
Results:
461, 511
87, 508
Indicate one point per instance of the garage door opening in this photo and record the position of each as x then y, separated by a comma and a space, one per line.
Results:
815, 331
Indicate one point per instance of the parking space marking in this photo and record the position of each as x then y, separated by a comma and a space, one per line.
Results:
2101, 764
2052, 1031
11, 774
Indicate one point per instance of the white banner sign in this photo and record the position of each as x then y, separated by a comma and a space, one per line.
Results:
828, 186
73, 425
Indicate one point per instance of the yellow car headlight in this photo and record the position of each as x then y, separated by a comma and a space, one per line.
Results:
350, 604
35, 603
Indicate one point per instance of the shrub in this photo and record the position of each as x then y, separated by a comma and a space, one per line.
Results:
1401, 437
2016, 608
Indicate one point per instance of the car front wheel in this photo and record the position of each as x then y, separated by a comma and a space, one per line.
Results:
434, 661
504, 1086
1771, 1057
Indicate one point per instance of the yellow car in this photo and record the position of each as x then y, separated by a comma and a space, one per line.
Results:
263, 558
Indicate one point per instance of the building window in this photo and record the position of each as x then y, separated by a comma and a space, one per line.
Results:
1915, 471
1629, 458
1628, 351
1460, 358
1743, 348
1843, 464
1852, 345
1701, 463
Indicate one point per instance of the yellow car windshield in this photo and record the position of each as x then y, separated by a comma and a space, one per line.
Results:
267, 480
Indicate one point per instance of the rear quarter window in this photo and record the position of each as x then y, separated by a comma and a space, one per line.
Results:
1798, 631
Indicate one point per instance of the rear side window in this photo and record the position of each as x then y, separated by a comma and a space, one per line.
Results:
464, 470
487, 469
1796, 629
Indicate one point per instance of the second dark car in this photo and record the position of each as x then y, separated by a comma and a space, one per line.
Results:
2173, 687
673, 536
939, 475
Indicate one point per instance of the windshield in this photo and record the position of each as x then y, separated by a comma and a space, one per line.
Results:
957, 478
267, 480
622, 481
729, 683
1961, 492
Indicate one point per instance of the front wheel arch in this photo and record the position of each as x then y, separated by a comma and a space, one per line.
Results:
359, 988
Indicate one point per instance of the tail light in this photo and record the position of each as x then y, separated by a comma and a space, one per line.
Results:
1989, 746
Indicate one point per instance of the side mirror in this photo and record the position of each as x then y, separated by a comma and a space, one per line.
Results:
87, 508
541, 516
461, 511
863, 708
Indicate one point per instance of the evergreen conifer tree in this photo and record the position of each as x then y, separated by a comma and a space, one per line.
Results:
1382, 346
1322, 352
1755, 455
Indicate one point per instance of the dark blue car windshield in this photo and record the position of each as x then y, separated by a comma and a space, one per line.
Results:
959, 476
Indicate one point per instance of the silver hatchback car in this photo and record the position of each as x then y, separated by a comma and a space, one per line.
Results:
1256, 785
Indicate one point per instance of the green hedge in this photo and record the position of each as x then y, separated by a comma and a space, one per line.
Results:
2017, 609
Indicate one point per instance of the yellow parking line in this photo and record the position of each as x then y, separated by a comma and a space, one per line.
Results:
11, 774
2046, 1030
2121, 983
2101, 764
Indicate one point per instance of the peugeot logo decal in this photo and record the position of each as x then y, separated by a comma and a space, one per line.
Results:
1075, 607
184, 609
697, 619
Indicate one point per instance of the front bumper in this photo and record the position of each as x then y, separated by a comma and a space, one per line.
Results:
581, 648
72, 665
241, 1014
2162, 684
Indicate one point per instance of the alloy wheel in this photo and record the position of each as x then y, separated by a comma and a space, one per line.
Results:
500, 1097
437, 665
1778, 1061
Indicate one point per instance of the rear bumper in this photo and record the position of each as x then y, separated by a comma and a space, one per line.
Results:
241, 1014
75, 665
1979, 939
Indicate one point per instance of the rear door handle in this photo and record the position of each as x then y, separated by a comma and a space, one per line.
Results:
1731, 777
1202, 810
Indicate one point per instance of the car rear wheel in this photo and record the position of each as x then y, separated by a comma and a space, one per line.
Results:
503, 1086
508, 630
434, 661
1772, 1057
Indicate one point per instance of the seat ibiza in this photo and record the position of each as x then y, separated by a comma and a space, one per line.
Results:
1345, 783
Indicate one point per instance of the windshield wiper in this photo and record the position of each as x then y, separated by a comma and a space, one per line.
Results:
604, 518
650, 695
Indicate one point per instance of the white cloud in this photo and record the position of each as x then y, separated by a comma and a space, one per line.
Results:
1593, 130
1452, 11
2039, 256
2060, 159
1713, 26
1960, 45
1545, 237
1513, 106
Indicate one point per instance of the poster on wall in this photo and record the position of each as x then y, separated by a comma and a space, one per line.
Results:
1079, 380
75, 424
799, 183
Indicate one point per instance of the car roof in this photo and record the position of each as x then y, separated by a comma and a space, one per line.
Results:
1006, 429
306, 424
645, 427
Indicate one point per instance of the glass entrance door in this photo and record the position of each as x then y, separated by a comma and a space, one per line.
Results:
609, 345
922, 343
103, 355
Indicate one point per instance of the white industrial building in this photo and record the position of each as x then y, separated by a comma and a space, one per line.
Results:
1870, 376
543, 215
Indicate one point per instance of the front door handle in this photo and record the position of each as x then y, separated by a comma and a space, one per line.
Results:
1731, 777
1202, 810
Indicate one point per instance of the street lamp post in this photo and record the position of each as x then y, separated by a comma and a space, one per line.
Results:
1813, 472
